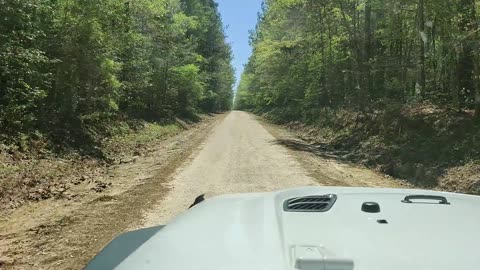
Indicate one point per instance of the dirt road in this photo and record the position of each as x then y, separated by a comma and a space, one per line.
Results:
239, 156
230, 153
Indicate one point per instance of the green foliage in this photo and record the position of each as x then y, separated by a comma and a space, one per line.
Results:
127, 142
24, 81
73, 69
189, 86
244, 98
209, 38
311, 55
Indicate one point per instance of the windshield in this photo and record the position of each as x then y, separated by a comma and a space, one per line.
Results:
117, 115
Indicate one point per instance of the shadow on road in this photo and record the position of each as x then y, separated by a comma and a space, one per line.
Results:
320, 150
425, 178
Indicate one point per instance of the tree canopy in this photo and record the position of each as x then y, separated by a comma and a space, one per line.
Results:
70, 68
315, 55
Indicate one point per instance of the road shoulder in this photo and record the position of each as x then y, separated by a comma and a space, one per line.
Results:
326, 167
65, 234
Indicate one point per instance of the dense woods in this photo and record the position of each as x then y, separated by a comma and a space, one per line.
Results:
390, 84
75, 70
314, 56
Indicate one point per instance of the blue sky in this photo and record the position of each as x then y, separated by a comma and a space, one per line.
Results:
240, 16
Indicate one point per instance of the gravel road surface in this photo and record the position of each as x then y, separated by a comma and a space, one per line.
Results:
239, 156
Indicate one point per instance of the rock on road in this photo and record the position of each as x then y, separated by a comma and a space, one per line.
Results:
239, 156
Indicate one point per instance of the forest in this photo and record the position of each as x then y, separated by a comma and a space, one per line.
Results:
392, 84
313, 55
73, 71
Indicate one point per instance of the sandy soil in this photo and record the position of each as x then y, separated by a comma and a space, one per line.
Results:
327, 168
239, 156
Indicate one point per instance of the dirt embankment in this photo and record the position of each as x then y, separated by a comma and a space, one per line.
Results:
60, 212
428, 147
42, 173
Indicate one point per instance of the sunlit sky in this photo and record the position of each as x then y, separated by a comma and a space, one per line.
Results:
239, 16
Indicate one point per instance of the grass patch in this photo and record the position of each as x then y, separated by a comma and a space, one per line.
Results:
135, 142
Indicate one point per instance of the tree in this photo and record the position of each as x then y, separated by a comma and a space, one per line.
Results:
315, 57
24, 74
72, 70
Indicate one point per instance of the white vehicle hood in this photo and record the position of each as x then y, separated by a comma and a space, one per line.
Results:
252, 231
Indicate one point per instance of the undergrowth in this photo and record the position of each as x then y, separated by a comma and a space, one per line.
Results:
421, 144
41, 170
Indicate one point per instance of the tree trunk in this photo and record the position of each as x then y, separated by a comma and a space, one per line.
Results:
165, 86
476, 59
367, 49
466, 71
477, 84
423, 39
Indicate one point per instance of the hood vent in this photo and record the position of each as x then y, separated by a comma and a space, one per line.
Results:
320, 203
